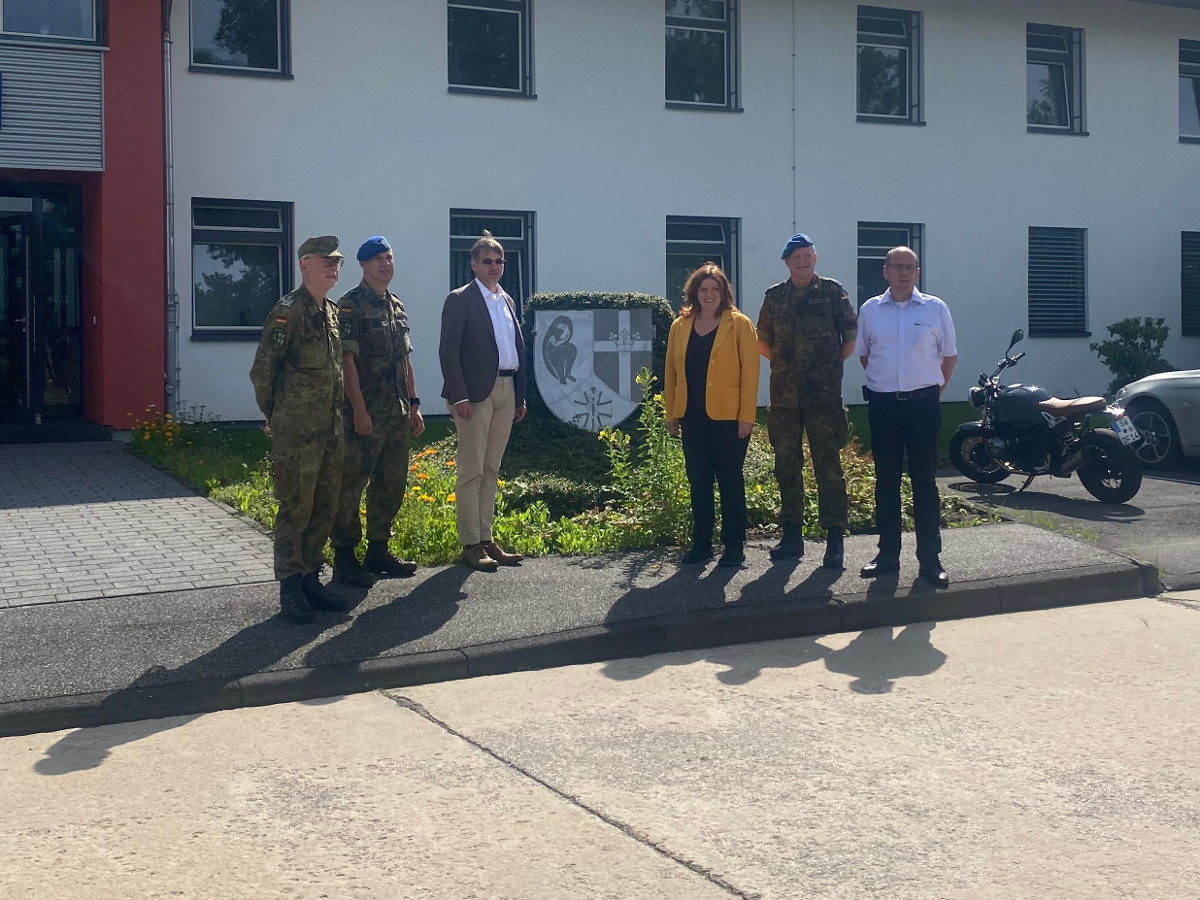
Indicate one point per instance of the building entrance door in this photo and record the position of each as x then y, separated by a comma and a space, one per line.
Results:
15, 394
41, 331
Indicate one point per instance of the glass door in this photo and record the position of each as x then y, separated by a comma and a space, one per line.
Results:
15, 318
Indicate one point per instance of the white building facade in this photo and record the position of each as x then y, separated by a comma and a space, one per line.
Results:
1044, 158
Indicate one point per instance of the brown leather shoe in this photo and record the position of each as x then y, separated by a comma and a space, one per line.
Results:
477, 558
500, 555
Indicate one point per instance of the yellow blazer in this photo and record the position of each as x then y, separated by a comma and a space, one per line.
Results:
732, 369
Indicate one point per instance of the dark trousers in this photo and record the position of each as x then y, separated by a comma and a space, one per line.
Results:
711, 449
909, 427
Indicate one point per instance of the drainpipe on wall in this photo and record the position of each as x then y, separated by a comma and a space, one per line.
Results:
172, 299
793, 116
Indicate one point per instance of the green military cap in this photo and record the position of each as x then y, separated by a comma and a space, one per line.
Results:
326, 246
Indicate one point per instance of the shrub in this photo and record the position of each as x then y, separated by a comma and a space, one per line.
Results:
1134, 350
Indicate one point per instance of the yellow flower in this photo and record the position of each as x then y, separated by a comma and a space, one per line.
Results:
499, 482
450, 498
427, 498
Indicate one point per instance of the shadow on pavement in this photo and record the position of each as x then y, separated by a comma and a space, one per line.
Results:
254, 650
877, 658
1005, 496
425, 609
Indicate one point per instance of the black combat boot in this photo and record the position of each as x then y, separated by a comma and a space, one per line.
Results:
381, 561
319, 596
791, 546
293, 605
348, 571
835, 550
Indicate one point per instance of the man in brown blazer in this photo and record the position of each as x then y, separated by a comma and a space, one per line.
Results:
483, 364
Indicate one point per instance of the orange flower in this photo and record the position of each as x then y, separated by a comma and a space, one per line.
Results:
451, 463
422, 475
450, 498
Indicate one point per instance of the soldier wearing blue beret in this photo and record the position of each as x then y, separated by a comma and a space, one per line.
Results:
384, 409
806, 329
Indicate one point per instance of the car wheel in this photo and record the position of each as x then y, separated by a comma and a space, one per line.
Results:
1159, 448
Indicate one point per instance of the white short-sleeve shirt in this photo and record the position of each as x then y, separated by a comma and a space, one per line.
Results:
904, 343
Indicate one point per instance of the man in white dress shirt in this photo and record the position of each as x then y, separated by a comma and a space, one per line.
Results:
482, 355
906, 344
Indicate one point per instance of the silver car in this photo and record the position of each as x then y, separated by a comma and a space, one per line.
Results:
1166, 410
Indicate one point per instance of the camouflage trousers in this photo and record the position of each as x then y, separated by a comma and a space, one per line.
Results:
378, 462
825, 423
308, 470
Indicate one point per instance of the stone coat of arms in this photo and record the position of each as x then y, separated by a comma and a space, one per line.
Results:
586, 363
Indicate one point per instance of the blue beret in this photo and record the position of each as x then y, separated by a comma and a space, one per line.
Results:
797, 241
373, 246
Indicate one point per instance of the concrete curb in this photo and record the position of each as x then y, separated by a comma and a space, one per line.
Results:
878, 606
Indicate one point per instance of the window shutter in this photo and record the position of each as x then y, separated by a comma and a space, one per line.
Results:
1057, 281
1190, 278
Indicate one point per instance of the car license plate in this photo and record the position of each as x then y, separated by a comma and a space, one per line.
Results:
1125, 430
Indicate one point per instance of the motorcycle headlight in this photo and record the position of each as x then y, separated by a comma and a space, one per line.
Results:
977, 395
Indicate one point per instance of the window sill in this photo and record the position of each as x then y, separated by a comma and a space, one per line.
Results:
50, 43
1189, 139
245, 73
1061, 334
703, 107
489, 92
888, 120
241, 336
1047, 129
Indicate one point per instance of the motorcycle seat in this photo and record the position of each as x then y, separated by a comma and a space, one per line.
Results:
1065, 409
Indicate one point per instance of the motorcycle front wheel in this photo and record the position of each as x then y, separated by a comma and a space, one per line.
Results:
1113, 472
969, 457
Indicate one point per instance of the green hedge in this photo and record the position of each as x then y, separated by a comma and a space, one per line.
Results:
663, 314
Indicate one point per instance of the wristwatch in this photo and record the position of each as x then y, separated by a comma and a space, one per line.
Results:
414, 402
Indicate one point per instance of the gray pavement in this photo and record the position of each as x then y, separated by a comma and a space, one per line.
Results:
79, 521
1159, 527
1037, 755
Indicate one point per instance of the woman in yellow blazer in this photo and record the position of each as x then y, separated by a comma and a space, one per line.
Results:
711, 395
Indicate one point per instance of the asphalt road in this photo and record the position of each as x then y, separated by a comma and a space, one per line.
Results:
1046, 754
1160, 526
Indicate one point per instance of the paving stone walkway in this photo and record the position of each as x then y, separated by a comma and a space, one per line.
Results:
81, 521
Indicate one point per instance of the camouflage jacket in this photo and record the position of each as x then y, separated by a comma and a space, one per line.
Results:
375, 330
805, 330
297, 371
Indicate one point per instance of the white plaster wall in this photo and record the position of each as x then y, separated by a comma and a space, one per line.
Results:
366, 139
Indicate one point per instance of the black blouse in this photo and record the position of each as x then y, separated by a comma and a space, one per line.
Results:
695, 367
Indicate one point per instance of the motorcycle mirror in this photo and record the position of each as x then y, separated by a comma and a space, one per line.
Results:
1017, 337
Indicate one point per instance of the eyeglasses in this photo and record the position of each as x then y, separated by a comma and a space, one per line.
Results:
328, 262
488, 261
903, 267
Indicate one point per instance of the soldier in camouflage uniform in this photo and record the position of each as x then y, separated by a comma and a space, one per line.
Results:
806, 329
297, 377
382, 404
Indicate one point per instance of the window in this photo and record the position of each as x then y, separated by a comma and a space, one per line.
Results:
244, 37
514, 230
1054, 79
241, 255
58, 19
1057, 281
1189, 90
702, 54
889, 66
875, 239
692, 242
1190, 277
489, 46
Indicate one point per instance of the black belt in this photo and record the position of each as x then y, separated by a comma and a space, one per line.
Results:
507, 373
918, 394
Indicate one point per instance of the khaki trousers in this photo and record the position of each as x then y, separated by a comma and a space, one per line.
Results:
481, 442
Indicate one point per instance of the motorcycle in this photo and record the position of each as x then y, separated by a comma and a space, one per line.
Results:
1023, 430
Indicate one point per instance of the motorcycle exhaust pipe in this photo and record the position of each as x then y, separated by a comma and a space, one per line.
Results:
1071, 463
